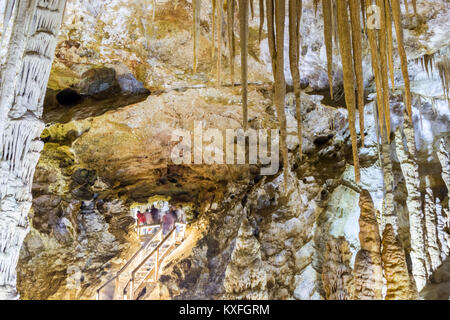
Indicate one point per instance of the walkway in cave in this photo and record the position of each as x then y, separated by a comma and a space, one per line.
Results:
141, 271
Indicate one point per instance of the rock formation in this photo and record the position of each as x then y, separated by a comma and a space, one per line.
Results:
245, 277
398, 280
32, 41
407, 157
367, 272
127, 74
336, 270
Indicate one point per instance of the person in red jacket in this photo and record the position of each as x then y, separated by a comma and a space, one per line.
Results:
140, 217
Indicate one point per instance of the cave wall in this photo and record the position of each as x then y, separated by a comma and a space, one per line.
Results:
133, 78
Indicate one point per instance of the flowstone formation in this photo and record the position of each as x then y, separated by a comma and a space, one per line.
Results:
359, 91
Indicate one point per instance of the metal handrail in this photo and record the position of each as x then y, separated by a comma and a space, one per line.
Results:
133, 273
128, 263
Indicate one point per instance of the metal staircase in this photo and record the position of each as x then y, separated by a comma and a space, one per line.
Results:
143, 267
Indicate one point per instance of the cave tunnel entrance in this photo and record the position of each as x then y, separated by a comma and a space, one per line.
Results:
159, 214
68, 97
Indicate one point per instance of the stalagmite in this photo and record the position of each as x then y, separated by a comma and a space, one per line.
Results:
368, 273
294, 21
407, 157
396, 14
328, 33
336, 270
231, 42
349, 85
243, 27
431, 227
28, 62
399, 286
357, 57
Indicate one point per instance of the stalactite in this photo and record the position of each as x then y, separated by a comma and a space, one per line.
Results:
336, 270
213, 33
271, 33
410, 170
406, 6
196, 15
252, 11
377, 74
261, 19
444, 74
294, 21
328, 33
390, 47
219, 42
396, 14
384, 68
231, 42
414, 3
280, 83
431, 227
243, 25
395, 268
349, 85
316, 5
357, 58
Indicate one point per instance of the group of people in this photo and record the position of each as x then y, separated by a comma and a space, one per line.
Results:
153, 216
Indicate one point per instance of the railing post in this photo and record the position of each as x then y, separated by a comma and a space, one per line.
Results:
97, 296
116, 288
156, 265
132, 287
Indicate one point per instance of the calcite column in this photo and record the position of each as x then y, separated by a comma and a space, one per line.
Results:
388, 212
35, 28
443, 225
410, 169
336, 270
367, 272
431, 228
444, 158
398, 281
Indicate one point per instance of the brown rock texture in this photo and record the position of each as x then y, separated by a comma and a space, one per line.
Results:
367, 273
336, 270
399, 286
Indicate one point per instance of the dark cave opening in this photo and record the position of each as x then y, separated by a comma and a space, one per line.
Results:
68, 97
